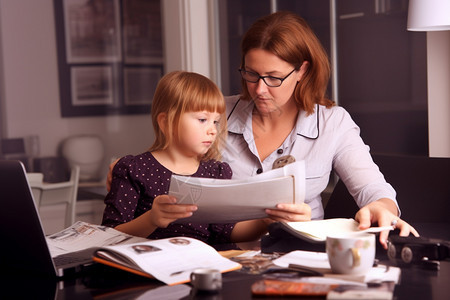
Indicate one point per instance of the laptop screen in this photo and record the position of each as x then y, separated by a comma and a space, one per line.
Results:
23, 240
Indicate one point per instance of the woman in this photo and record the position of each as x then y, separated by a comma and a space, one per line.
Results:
283, 111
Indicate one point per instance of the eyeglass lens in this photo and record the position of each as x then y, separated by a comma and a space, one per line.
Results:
268, 80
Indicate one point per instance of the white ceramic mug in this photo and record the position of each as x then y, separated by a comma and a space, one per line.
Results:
206, 279
351, 254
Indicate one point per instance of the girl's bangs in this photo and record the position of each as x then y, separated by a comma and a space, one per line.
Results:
211, 101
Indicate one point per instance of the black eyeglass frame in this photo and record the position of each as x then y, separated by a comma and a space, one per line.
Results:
241, 71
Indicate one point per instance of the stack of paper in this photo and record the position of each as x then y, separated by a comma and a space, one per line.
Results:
234, 200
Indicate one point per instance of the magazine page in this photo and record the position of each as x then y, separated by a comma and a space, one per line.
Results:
228, 204
169, 260
318, 230
233, 200
82, 235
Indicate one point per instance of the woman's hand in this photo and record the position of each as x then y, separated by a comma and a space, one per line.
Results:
382, 212
252, 230
164, 211
290, 212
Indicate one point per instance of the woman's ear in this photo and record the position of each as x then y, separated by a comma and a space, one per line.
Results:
162, 122
303, 68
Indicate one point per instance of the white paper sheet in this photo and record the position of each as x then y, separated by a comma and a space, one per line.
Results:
226, 201
318, 261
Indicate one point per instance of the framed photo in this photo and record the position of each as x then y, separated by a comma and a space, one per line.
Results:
110, 56
140, 84
142, 31
92, 85
92, 31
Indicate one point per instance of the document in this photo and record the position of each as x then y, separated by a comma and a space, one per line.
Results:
318, 230
234, 200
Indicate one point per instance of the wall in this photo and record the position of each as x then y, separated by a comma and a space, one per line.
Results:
190, 39
30, 89
438, 46
30, 93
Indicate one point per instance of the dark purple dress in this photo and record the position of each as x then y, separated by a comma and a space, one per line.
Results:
137, 180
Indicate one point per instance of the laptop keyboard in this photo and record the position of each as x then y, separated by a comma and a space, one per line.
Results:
84, 256
68, 259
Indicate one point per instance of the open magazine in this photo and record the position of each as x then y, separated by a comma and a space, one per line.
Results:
82, 235
233, 200
169, 260
318, 230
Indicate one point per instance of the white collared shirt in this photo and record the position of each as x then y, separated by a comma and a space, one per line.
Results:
327, 139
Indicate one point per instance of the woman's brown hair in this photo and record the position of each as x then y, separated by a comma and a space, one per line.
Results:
289, 37
180, 92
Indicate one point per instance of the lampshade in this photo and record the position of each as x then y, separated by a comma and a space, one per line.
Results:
429, 15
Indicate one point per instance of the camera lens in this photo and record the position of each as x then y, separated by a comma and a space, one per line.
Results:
391, 252
407, 254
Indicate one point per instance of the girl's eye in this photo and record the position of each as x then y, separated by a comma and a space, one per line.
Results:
202, 120
216, 123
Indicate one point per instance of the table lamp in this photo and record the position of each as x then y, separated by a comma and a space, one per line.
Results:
429, 15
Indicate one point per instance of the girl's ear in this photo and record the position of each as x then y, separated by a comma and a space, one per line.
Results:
162, 122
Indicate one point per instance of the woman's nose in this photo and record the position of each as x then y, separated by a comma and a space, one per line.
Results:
261, 86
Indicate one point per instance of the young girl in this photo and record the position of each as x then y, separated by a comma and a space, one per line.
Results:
187, 115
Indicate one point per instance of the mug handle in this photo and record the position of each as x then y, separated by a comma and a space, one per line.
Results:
356, 255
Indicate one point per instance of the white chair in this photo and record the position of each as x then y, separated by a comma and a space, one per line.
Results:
56, 193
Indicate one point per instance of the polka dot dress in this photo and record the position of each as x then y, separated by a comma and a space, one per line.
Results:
137, 180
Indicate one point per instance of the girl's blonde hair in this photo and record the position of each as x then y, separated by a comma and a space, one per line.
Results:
180, 92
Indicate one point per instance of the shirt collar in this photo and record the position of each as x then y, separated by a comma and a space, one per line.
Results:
240, 117
308, 125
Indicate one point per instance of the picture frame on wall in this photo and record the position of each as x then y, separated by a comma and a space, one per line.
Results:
142, 31
92, 31
92, 85
140, 84
110, 56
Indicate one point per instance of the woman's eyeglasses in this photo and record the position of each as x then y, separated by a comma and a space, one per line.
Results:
270, 81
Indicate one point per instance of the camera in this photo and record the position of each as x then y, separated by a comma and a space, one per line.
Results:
410, 250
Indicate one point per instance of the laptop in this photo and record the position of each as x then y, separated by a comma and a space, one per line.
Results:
24, 247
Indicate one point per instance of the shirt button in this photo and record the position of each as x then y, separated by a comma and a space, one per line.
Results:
280, 151
259, 171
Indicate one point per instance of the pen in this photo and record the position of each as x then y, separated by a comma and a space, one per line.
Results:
304, 270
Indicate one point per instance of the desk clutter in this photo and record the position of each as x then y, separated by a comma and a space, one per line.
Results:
278, 274
308, 273
179, 260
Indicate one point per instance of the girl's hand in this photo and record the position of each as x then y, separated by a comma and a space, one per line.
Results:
290, 212
164, 211
380, 212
